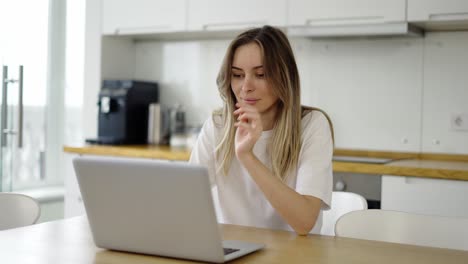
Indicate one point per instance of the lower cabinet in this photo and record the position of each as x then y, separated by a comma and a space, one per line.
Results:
425, 195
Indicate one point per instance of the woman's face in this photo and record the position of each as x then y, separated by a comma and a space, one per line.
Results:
248, 79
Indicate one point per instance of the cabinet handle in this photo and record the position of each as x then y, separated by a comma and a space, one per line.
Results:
3, 127
448, 16
344, 20
233, 25
414, 180
20, 107
4, 105
141, 30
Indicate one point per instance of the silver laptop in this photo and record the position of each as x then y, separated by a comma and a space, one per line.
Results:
153, 207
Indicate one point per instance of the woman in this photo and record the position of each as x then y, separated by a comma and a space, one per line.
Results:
269, 157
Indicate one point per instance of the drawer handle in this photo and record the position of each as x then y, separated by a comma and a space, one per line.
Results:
142, 30
448, 16
233, 25
344, 20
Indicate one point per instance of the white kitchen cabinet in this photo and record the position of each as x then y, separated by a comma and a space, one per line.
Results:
231, 15
425, 195
345, 12
437, 10
125, 17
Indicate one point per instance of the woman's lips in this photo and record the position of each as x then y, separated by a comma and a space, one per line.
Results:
250, 101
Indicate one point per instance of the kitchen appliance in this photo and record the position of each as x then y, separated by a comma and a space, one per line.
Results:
178, 137
123, 111
367, 185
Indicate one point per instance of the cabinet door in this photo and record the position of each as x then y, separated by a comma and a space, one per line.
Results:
142, 16
425, 196
343, 12
226, 15
437, 10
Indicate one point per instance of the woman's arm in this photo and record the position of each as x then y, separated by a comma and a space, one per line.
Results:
299, 211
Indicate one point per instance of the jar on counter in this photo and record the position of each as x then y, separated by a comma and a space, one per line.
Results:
178, 136
177, 120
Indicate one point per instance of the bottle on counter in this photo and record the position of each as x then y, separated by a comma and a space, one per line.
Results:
178, 137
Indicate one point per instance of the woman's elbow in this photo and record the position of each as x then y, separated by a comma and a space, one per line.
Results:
302, 233
305, 228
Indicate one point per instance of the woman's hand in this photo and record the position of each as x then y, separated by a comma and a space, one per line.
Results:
249, 129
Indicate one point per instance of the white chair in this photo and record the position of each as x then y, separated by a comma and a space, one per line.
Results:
341, 203
405, 228
17, 210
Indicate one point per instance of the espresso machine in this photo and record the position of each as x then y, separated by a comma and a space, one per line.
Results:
123, 111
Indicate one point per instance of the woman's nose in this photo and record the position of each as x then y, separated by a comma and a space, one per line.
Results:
247, 85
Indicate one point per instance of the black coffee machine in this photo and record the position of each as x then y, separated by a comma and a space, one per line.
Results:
123, 111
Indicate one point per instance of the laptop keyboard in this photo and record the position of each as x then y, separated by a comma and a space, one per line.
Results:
229, 250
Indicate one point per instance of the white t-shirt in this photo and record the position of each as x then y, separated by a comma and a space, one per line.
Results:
241, 201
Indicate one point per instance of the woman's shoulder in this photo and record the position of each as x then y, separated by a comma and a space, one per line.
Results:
315, 120
217, 118
314, 116
214, 124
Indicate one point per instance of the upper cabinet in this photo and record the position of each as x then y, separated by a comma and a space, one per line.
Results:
213, 15
439, 14
127, 17
299, 17
345, 12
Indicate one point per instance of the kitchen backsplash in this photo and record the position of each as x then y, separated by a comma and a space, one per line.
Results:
396, 94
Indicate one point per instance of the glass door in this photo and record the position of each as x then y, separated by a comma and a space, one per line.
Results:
24, 56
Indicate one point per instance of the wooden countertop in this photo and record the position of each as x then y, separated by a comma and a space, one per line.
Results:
70, 241
442, 166
135, 151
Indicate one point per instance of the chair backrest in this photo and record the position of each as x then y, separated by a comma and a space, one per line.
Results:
405, 228
342, 203
17, 210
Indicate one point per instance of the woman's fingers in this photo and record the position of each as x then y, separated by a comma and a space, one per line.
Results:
246, 117
246, 109
242, 124
249, 118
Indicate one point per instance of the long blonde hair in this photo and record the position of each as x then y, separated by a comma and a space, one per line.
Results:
283, 78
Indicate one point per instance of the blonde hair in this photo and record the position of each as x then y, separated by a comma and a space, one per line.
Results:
282, 76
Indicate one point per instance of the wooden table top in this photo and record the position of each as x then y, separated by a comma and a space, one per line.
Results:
70, 241
441, 166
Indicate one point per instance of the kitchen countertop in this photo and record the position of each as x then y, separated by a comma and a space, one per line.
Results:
136, 151
428, 165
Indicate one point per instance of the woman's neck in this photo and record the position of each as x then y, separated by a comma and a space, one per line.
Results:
269, 118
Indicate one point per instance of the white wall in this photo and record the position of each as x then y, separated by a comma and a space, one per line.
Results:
384, 94
370, 88
186, 71
445, 92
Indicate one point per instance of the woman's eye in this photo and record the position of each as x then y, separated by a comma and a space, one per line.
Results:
260, 75
236, 75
